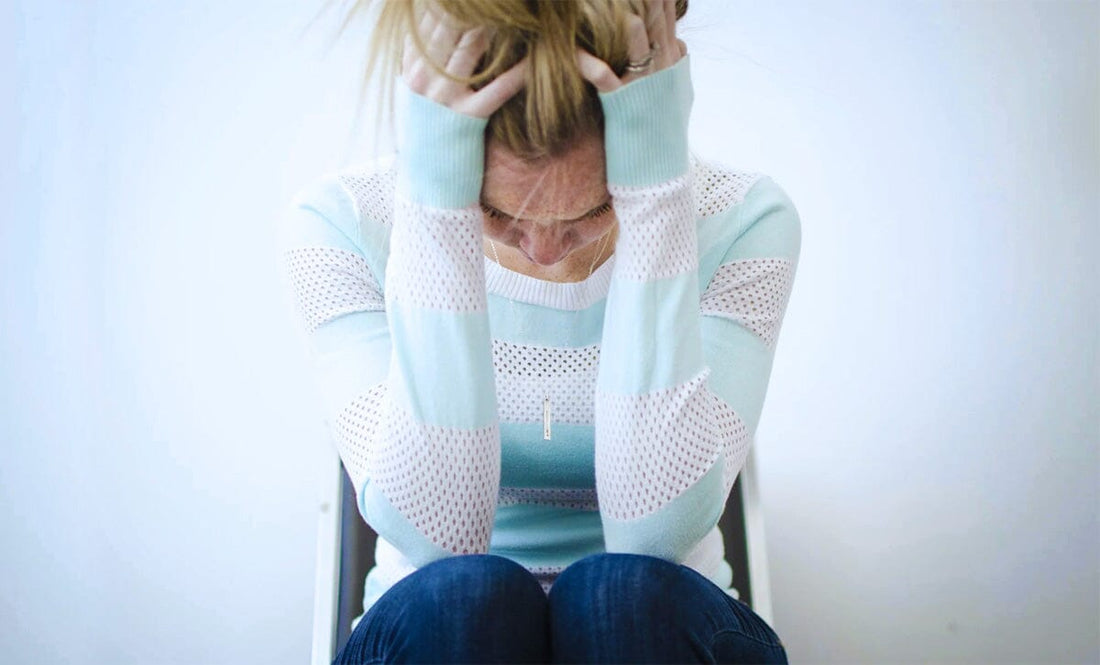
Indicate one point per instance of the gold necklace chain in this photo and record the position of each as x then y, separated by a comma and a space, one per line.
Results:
591, 269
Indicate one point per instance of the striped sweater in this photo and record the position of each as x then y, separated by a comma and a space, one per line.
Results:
441, 370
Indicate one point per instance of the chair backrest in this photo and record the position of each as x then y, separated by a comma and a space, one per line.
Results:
345, 554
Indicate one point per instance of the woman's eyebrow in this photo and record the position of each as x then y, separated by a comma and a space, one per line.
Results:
574, 219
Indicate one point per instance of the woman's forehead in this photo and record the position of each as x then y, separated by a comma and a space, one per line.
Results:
561, 187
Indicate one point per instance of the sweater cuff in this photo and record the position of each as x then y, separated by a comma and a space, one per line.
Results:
646, 124
442, 156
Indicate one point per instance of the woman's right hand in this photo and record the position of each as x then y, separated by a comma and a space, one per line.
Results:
457, 52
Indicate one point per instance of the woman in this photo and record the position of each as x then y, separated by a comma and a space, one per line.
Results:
544, 301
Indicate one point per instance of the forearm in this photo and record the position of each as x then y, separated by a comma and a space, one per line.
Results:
656, 449
439, 461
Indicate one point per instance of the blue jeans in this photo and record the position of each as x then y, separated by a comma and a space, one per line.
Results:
605, 608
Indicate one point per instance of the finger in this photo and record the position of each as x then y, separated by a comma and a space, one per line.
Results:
661, 29
670, 45
415, 43
596, 72
408, 54
683, 47
441, 43
670, 21
424, 29
655, 24
470, 48
413, 69
486, 101
637, 46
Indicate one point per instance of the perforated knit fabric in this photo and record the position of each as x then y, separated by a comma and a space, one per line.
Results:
719, 188
675, 397
329, 282
437, 247
546, 575
651, 444
663, 443
443, 480
735, 438
660, 241
753, 292
371, 191
528, 374
356, 429
576, 499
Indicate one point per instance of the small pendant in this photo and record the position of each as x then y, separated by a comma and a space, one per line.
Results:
546, 418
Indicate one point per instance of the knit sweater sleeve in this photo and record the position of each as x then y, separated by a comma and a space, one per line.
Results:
401, 340
681, 380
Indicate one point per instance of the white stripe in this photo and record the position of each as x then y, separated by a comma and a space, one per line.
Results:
444, 480
528, 374
329, 282
651, 448
752, 292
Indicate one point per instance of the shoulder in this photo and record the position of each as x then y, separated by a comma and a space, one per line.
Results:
735, 197
727, 192
350, 208
356, 200
730, 201
366, 187
719, 188
370, 187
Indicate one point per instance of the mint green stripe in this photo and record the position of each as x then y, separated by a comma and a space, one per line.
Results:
716, 235
524, 323
654, 339
566, 460
327, 198
645, 132
545, 535
443, 155
768, 223
352, 354
389, 523
741, 367
442, 370
674, 529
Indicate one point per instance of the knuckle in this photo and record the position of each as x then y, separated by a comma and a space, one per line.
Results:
418, 79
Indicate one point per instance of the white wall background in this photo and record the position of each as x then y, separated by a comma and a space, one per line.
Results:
929, 447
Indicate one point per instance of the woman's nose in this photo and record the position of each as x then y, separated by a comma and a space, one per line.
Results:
544, 246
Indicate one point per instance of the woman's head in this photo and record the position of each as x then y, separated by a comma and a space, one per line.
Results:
556, 106
550, 207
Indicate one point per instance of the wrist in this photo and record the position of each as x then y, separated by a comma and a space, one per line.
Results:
442, 155
645, 127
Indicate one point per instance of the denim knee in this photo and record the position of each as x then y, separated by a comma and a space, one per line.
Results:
614, 573
469, 608
476, 578
633, 608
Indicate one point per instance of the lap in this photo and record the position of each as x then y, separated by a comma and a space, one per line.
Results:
604, 608
646, 609
474, 608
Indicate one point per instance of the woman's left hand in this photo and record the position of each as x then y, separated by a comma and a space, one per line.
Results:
653, 46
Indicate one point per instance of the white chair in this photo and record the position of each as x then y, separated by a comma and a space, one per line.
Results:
345, 553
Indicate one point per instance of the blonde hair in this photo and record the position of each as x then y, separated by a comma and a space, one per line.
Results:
557, 105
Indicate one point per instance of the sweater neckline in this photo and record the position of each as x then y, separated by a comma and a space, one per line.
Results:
557, 295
